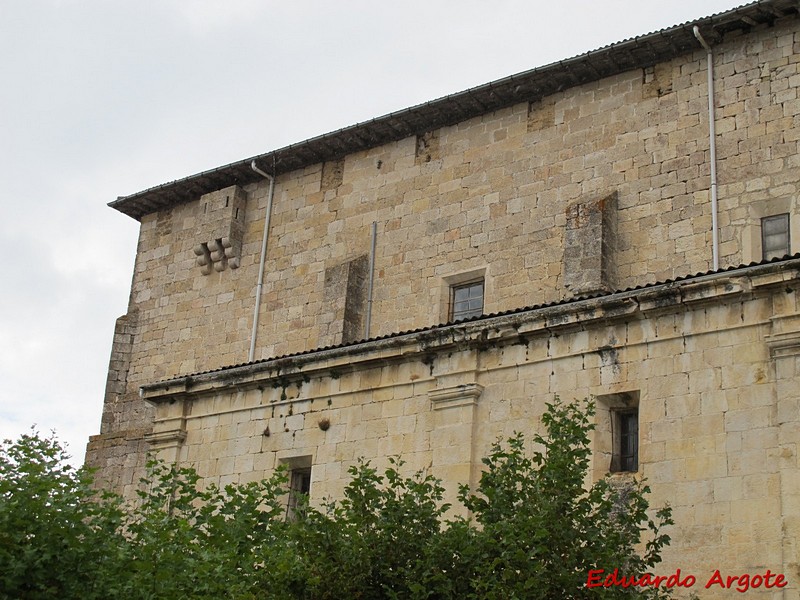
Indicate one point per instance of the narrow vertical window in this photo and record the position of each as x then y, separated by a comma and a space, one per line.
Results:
775, 236
466, 300
625, 457
299, 487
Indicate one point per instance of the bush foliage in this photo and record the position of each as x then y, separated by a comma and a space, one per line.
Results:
535, 530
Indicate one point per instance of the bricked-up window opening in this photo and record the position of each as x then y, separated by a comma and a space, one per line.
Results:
626, 441
466, 300
775, 236
299, 486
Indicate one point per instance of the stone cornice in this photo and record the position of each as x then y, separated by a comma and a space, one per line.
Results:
510, 328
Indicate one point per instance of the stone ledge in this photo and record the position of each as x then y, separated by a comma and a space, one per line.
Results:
784, 341
495, 330
165, 438
460, 395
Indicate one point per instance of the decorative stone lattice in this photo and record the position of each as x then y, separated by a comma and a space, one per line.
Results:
221, 225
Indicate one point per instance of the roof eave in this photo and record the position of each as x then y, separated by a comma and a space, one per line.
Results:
530, 86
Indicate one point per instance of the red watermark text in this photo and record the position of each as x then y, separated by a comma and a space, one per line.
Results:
741, 583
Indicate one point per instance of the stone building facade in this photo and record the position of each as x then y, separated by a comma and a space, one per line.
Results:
423, 283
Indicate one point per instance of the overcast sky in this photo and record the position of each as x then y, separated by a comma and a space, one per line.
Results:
103, 98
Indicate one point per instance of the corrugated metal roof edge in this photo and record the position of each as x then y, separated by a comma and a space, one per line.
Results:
786, 261
128, 204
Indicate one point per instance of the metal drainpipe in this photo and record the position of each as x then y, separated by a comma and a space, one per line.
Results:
712, 134
251, 355
371, 279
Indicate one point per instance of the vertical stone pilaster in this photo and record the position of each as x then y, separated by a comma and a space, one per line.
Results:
345, 302
117, 452
169, 430
355, 302
452, 439
590, 245
784, 349
118, 366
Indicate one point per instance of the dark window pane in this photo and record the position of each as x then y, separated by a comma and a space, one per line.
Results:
626, 444
299, 484
467, 301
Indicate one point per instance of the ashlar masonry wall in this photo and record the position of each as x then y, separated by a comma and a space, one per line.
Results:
713, 365
490, 197
494, 195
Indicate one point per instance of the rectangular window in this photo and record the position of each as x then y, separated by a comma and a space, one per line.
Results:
466, 300
775, 236
299, 486
625, 457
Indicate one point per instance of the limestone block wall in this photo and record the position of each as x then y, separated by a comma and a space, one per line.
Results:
714, 365
495, 196
490, 195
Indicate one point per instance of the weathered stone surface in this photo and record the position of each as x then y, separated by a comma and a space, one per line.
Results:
590, 245
599, 186
344, 302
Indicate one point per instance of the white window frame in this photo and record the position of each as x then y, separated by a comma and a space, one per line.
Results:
461, 309
767, 252
457, 279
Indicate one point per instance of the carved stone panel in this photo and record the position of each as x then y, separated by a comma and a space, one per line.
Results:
220, 229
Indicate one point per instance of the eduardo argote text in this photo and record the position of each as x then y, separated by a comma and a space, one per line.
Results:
716, 580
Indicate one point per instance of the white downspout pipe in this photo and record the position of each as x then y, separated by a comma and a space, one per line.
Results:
260, 285
712, 134
368, 320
